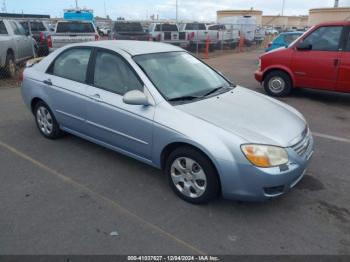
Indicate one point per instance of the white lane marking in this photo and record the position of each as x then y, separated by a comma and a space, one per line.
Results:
335, 138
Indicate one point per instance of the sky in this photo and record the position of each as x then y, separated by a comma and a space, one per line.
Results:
188, 9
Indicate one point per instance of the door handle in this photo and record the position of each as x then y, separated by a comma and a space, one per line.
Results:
48, 82
336, 62
96, 97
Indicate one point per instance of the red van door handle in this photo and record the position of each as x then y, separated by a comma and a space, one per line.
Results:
336, 62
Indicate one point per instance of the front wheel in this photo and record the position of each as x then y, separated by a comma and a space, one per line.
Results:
10, 67
277, 84
192, 176
46, 121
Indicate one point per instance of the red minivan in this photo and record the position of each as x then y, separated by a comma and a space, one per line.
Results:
319, 59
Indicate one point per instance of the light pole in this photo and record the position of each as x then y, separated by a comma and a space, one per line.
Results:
283, 4
177, 10
76, 4
336, 3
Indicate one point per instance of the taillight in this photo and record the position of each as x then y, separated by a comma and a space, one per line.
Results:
97, 37
269, 45
158, 37
49, 41
42, 37
21, 77
191, 36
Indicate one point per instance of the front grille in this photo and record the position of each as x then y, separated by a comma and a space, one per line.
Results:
167, 35
302, 146
182, 36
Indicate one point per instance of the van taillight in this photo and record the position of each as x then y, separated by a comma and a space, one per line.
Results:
49, 41
97, 37
42, 37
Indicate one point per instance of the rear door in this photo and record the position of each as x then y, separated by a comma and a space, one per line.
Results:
343, 83
65, 81
318, 68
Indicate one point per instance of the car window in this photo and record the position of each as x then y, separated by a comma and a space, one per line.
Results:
75, 27
25, 26
195, 27
288, 39
17, 28
37, 27
128, 27
348, 43
113, 74
3, 30
325, 38
72, 64
166, 28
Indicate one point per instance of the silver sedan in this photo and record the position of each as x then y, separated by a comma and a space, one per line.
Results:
160, 105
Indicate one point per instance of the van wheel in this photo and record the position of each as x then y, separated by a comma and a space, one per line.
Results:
192, 176
46, 121
10, 66
277, 84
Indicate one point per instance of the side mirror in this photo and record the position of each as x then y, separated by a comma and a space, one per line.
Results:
136, 97
304, 46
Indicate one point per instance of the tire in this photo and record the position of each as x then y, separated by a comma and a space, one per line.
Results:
192, 176
46, 121
10, 66
233, 45
278, 83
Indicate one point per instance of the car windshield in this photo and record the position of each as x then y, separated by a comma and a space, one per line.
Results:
180, 75
75, 27
166, 28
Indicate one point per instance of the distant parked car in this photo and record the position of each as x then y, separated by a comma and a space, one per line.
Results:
198, 34
271, 31
283, 40
39, 31
320, 59
167, 33
15, 46
104, 31
70, 31
228, 35
162, 106
123, 30
260, 35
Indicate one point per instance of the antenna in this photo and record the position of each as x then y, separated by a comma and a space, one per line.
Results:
336, 3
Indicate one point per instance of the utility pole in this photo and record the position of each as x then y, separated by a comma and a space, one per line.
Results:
336, 3
76, 4
283, 4
104, 2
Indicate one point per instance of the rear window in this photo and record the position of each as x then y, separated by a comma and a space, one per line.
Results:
166, 28
128, 27
195, 27
37, 26
3, 30
75, 27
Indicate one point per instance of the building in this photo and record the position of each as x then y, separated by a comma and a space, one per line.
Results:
285, 21
232, 13
319, 15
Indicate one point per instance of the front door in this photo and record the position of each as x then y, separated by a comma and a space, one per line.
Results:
126, 127
318, 68
343, 84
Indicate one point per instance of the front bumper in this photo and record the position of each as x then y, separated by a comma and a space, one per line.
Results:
243, 181
258, 76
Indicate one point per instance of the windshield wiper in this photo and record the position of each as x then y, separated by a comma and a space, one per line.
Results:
215, 90
183, 98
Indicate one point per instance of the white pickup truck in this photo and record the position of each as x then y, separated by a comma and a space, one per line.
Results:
198, 34
168, 33
228, 35
69, 32
15, 46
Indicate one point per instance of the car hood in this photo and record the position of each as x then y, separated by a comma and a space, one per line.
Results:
250, 115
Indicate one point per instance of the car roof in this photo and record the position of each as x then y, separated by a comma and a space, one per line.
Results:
340, 23
133, 47
292, 33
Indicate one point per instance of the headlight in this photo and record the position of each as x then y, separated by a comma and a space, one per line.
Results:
265, 156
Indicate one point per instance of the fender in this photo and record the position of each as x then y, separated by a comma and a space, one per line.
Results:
279, 67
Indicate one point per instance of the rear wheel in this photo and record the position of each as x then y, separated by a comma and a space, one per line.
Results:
192, 176
277, 83
46, 121
10, 66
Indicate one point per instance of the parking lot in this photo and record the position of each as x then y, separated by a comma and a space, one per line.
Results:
70, 196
